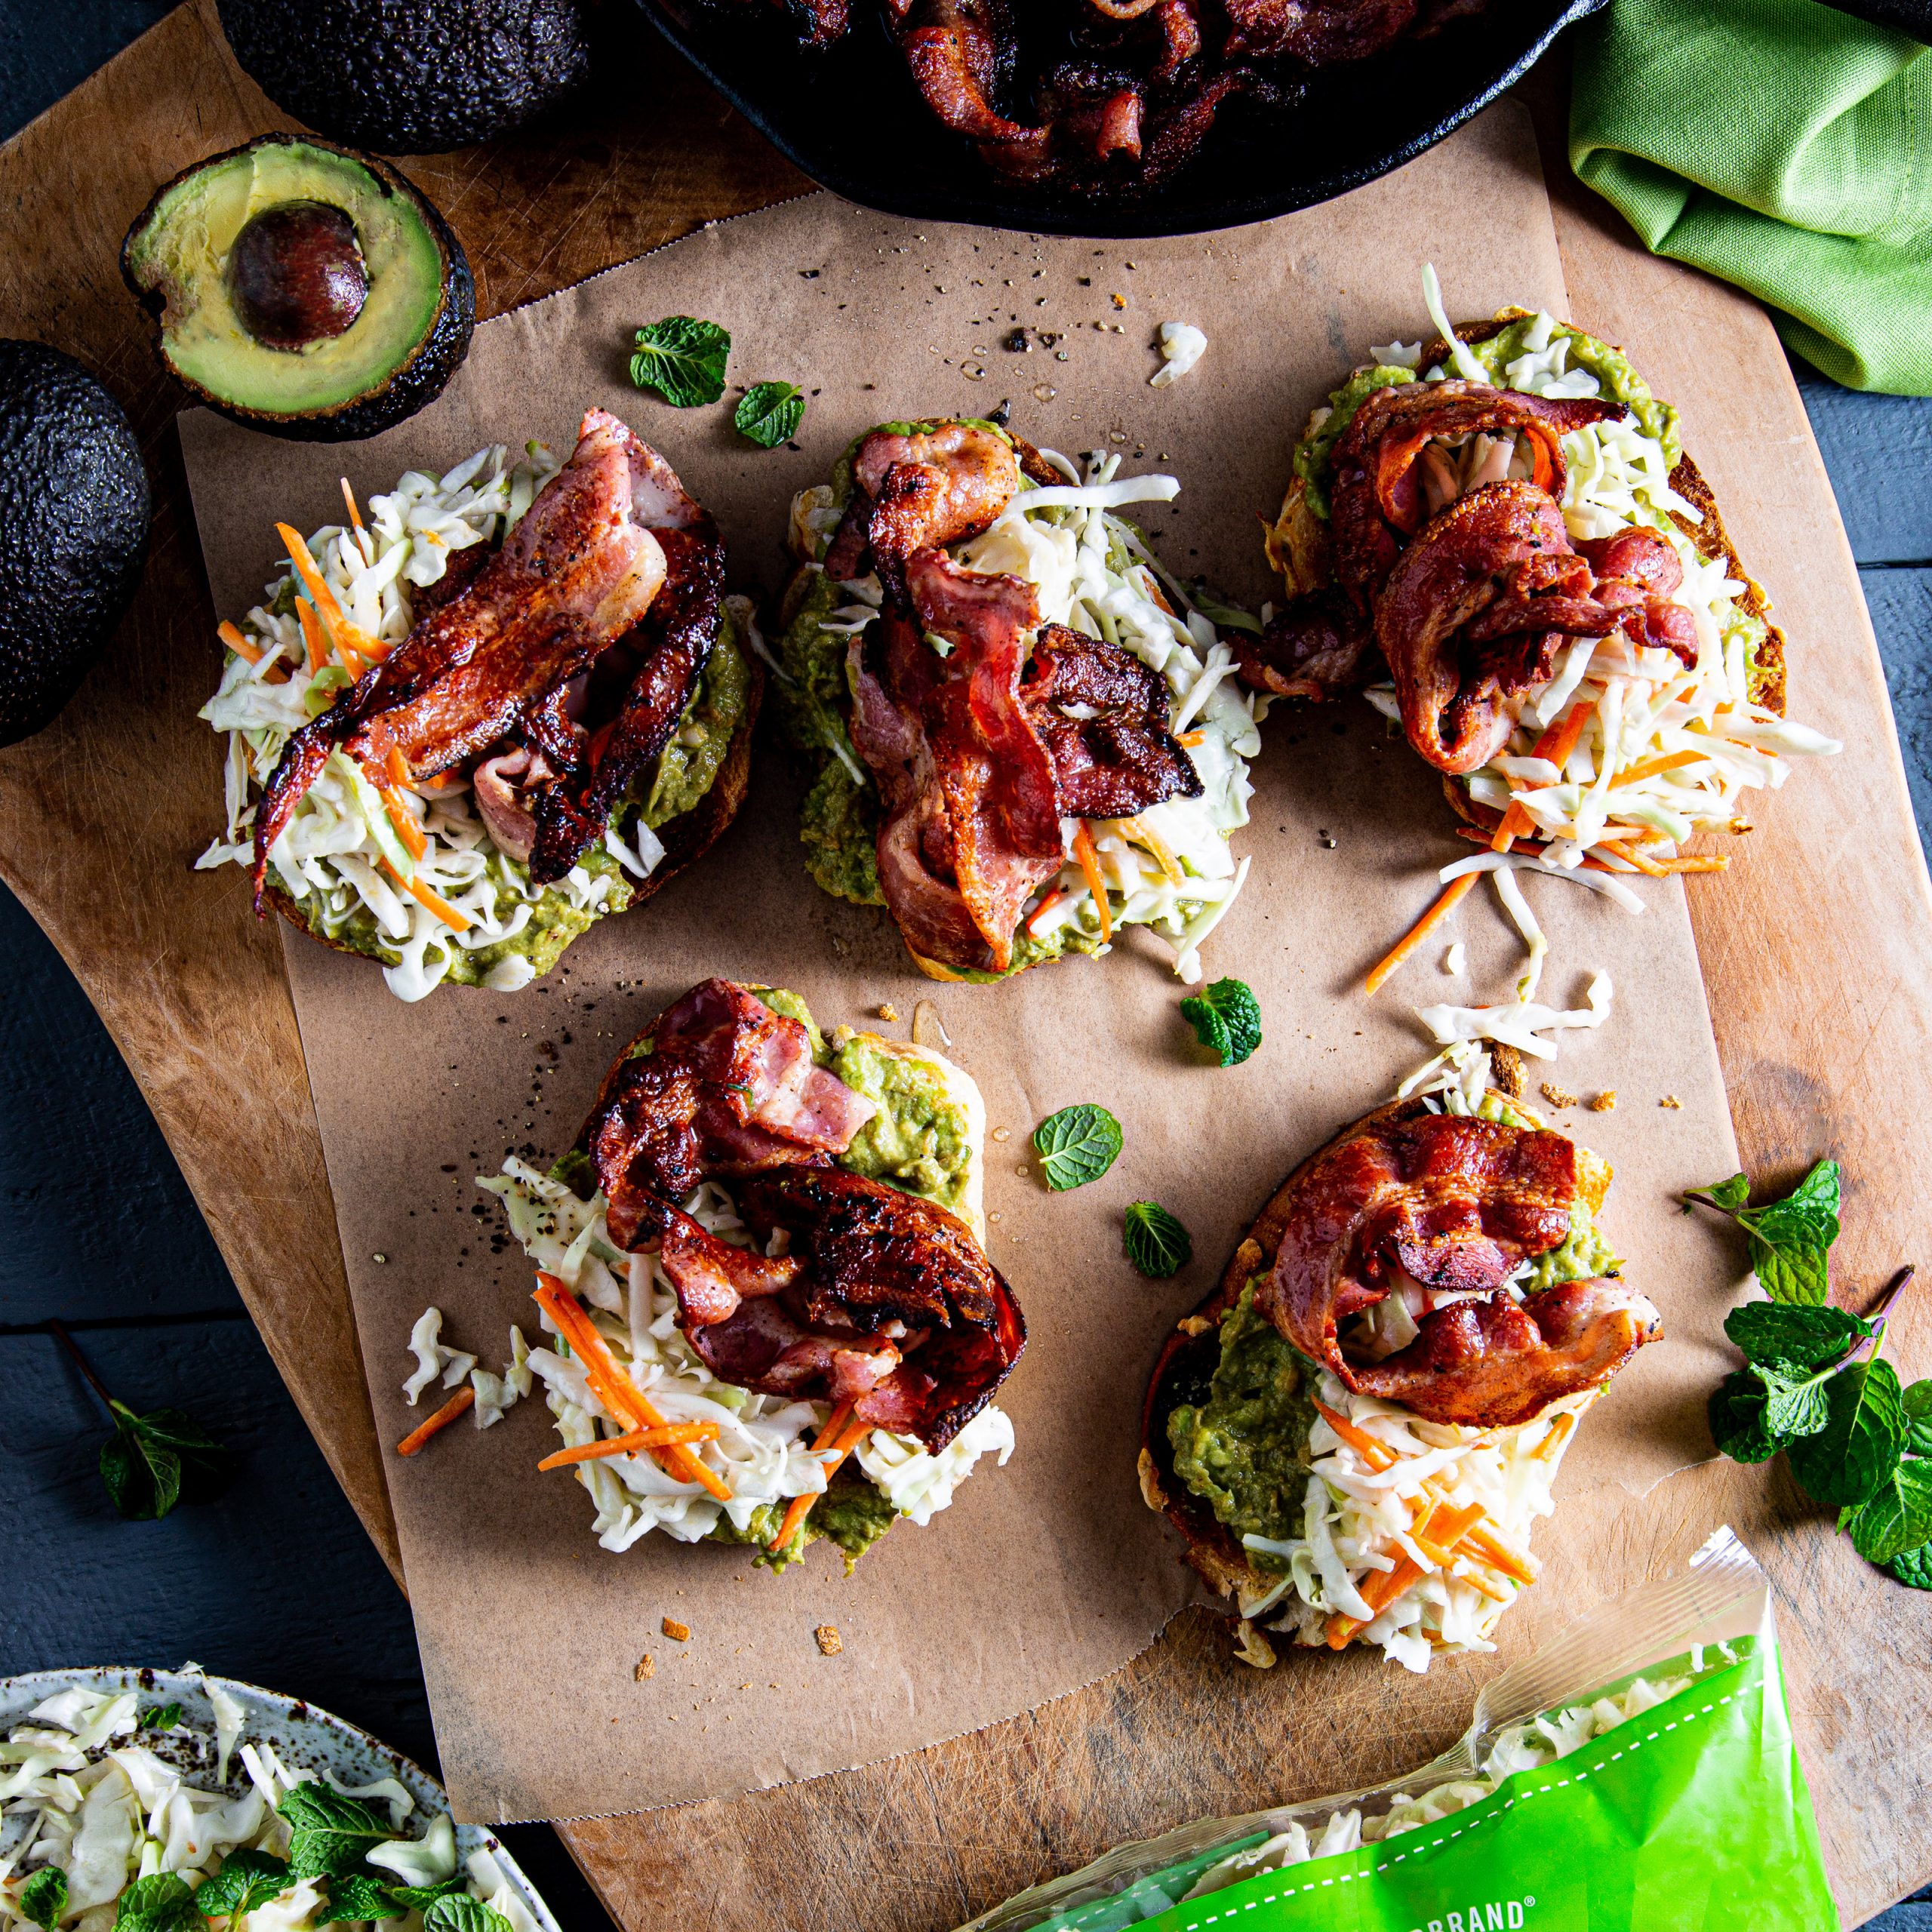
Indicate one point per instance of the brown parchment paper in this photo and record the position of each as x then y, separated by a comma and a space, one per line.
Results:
1051, 1572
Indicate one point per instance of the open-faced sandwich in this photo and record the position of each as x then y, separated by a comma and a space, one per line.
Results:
762, 1260
1356, 1432
1499, 533
508, 702
1026, 735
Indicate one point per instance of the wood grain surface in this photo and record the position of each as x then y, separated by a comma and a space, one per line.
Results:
1817, 950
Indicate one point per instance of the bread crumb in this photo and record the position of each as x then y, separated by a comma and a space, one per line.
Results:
678, 1633
1604, 1101
1506, 1068
1670, 1100
830, 1641
1557, 1096
1742, 825
1194, 1324
647, 1666
888, 1011
1253, 1648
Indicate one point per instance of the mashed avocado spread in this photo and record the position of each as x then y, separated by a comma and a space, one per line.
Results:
1244, 1451
1612, 368
684, 772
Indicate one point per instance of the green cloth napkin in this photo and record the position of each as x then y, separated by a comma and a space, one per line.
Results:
1784, 146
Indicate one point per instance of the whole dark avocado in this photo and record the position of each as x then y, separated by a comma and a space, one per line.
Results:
73, 529
302, 288
410, 76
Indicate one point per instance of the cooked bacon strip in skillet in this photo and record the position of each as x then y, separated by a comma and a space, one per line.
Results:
1455, 1204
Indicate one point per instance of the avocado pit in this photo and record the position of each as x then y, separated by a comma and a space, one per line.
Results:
296, 274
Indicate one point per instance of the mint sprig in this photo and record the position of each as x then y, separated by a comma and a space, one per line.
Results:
247, 1878
683, 359
1077, 1144
161, 1903
329, 1834
1226, 1020
43, 1897
770, 413
1790, 1238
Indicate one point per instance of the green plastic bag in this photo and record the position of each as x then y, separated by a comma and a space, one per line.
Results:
1637, 1772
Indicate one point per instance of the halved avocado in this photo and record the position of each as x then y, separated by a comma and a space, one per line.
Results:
302, 288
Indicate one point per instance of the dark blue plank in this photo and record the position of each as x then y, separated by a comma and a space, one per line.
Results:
47, 50
97, 1221
1878, 450
1900, 602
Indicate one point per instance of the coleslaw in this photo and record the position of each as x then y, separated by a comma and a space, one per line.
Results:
1169, 867
104, 1789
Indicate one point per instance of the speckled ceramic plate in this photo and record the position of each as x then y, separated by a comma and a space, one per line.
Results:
303, 1737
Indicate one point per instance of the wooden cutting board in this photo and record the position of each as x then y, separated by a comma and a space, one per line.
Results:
1816, 947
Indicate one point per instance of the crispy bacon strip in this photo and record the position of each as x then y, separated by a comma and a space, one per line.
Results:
581, 573
1116, 756
1455, 1203
1318, 647
883, 1300
729, 1087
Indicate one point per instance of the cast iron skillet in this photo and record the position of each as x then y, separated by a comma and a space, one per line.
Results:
851, 119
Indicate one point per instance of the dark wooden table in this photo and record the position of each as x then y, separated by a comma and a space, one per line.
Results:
277, 1582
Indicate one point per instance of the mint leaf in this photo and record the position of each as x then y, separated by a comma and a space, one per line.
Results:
683, 359
153, 1462
43, 1897
1796, 1403
1898, 1517
162, 1717
1737, 1420
420, 1898
1077, 1144
160, 1903
246, 1879
1914, 1566
1226, 1020
331, 1834
1793, 1272
1917, 1404
1789, 1239
1155, 1242
1808, 1337
459, 1912
770, 413
1850, 1458
359, 1898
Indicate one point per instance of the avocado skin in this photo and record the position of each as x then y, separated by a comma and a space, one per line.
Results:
74, 510
419, 381
410, 76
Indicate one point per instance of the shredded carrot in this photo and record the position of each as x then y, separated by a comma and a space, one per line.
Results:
1651, 767
1556, 744
1698, 862
1090, 864
1631, 855
237, 643
459, 1404
1377, 1455
841, 1435
1559, 1432
418, 890
312, 579
1040, 911
354, 515
1379, 1590
397, 767
632, 1440
407, 829
1191, 738
1439, 1534
312, 634
614, 1388
1141, 833
1503, 1555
